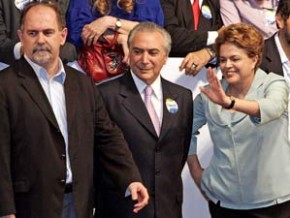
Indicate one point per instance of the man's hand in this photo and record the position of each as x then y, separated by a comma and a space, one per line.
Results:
139, 193
195, 61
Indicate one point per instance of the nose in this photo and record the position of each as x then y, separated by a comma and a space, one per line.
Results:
228, 63
41, 38
145, 57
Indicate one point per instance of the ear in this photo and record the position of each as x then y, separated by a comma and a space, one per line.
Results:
279, 21
255, 60
19, 33
63, 35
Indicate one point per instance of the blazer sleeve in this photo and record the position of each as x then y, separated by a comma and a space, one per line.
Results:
112, 149
274, 101
7, 205
6, 43
229, 12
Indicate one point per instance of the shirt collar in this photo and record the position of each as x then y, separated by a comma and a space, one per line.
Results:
42, 73
282, 54
141, 85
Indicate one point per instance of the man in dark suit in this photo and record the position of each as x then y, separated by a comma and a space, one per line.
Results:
192, 43
276, 53
9, 24
159, 143
52, 121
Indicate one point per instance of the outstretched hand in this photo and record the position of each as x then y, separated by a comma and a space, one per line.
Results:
139, 193
214, 91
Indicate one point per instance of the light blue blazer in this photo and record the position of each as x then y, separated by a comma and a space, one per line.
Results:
250, 167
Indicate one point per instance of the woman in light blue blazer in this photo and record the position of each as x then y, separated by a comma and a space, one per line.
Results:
247, 116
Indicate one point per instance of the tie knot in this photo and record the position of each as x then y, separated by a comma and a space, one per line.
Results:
148, 91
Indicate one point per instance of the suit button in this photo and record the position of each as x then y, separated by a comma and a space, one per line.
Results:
157, 149
62, 181
157, 172
62, 157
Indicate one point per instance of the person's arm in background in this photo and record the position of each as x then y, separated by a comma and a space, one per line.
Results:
185, 39
229, 12
7, 42
199, 120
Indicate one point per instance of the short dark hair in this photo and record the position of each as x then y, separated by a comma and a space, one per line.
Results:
284, 9
59, 15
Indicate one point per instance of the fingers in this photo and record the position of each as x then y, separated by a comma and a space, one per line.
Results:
194, 62
191, 68
89, 36
139, 193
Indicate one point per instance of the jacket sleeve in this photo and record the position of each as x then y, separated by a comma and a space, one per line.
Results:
112, 149
7, 205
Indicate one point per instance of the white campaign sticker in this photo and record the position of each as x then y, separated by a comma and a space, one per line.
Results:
21, 3
205, 10
171, 105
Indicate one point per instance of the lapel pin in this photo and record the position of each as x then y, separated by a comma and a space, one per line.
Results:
171, 105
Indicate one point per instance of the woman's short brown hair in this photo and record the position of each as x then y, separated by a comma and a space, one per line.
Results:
244, 36
104, 6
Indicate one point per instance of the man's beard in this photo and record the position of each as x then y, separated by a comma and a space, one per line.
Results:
41, 55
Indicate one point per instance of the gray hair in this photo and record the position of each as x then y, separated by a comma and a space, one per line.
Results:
151, 27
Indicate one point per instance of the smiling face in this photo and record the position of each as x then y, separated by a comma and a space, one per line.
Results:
41, 36
236, 66
147, 55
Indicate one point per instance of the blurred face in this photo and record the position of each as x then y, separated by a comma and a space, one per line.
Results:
40, 36
235, 64
284, 27
147, 55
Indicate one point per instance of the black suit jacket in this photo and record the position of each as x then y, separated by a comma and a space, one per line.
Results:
160, 160
271, 61
179, 23
32, 148
9, 24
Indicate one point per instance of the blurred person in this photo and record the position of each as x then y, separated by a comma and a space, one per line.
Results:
246, 113
88, 20
276, 53
52, 122
159, 143
192, 36
10, 47
259, 13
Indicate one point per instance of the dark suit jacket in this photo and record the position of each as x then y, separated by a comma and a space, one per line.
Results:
160, 160
271, 61
179, 23
9, 24
32, 148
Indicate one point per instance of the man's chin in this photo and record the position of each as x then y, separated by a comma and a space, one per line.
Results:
41, 59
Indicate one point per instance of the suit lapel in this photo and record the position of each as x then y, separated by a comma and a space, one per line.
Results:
70, 96
272, 56
187, 14
168, 117
133, 102
33, 87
